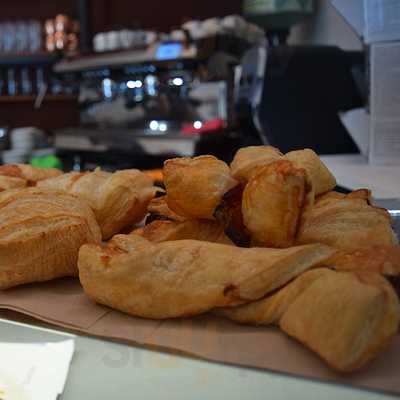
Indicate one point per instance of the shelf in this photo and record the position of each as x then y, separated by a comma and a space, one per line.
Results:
31, 98
41, 58
118, 58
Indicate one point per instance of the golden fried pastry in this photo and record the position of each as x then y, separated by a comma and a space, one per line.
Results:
247, 159
195, 186
163, 224
196, 229
273, 202
40, 235
346, 222
384, 260
333, 197
11, 182
158, 209
186, 277
229, 214
30, 174
269, 310
346, 318
320, 176
118, 199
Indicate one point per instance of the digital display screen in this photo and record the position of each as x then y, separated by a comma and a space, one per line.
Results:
168, 51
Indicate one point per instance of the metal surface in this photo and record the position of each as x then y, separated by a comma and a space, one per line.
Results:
393, 206
127, 140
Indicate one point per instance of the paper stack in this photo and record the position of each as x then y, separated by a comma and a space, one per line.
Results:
34, 371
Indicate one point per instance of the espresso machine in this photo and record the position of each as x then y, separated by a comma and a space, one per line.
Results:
142, 106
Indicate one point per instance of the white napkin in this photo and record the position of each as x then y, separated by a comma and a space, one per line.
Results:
34, 371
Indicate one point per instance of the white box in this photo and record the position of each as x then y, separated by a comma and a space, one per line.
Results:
384, 141
382, 20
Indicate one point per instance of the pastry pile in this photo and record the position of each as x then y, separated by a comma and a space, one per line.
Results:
264, 241
44, 223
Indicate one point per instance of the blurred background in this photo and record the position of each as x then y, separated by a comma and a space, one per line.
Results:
128, 84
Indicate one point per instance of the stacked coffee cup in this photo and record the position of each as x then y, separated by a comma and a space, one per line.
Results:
23, 141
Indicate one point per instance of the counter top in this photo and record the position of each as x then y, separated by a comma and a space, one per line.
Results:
107, 370
352, 171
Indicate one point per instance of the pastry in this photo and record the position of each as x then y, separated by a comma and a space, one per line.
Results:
162, 224
346, 222
30, 174
196, 229
118, 199
229, 214
186, 277
195, 186
270, 309
158, 210
346, 318
11, 182
247, 159
320, 176
273, 202
384, 260
40, 235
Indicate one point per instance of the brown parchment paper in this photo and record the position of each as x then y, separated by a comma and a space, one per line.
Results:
63, 303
